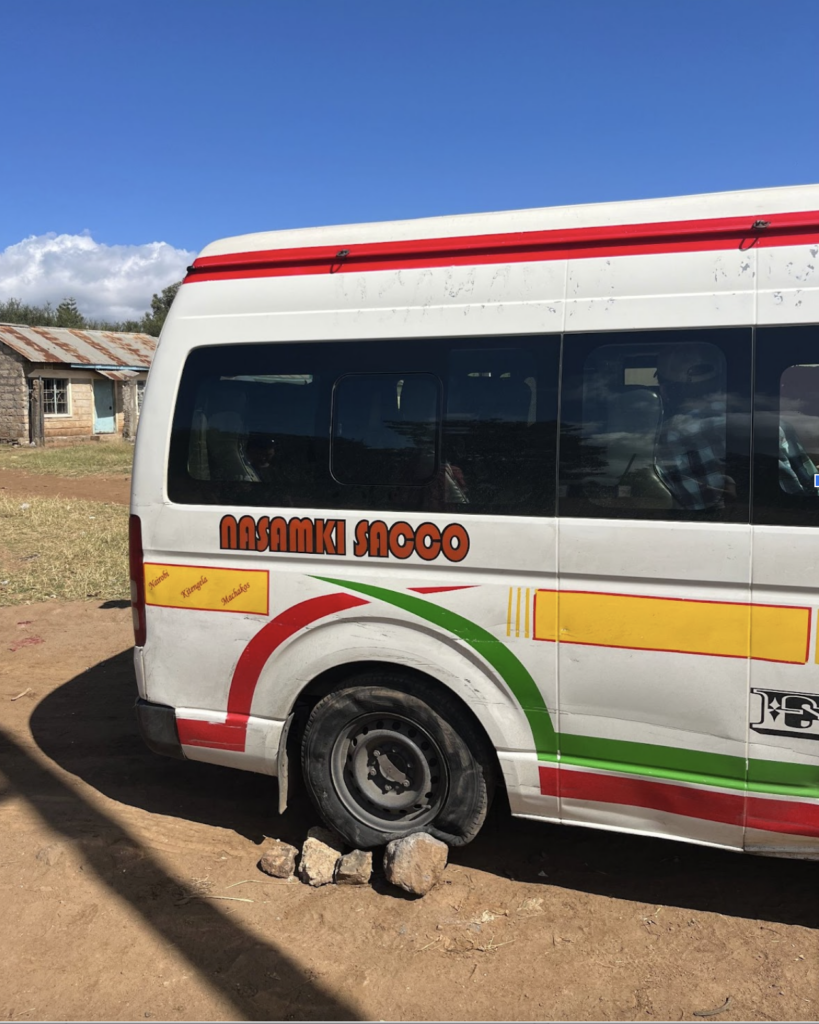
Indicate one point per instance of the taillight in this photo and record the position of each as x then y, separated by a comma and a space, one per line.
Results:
137, 579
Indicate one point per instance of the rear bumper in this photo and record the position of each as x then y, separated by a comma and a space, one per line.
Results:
157, 726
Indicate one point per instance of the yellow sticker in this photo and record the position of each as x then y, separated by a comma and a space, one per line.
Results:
206, 588
726, 629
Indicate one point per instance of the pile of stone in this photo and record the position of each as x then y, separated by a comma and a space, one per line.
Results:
414, 863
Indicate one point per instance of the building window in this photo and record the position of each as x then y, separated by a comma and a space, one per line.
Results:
55, 396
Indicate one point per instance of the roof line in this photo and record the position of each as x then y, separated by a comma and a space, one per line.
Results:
515, 247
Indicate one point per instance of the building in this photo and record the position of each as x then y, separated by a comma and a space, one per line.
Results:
58, 383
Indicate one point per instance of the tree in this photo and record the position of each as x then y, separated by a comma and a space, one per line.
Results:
160, 307
15, 311
68, 315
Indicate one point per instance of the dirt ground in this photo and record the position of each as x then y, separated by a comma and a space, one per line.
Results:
87, 488
131, 890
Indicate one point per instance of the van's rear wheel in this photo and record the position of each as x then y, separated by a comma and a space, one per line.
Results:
387, 756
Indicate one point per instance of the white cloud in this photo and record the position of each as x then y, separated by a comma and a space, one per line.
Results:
109, 282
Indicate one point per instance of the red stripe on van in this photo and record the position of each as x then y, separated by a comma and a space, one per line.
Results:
516, 247
787, 816
232, 734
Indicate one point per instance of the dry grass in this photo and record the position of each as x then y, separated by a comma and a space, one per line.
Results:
58, 548
91, 458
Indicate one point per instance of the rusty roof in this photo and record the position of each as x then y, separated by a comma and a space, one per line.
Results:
110, 349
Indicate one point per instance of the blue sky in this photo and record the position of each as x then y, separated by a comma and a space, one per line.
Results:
181, 121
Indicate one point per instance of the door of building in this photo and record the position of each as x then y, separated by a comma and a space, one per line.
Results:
104, 420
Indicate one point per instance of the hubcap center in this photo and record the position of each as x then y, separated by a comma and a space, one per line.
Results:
390, 769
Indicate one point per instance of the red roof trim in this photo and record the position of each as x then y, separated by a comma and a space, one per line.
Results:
516, 247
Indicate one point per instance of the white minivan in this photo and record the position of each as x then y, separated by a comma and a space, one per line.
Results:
522, 501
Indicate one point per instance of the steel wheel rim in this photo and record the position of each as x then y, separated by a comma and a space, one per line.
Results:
388, 772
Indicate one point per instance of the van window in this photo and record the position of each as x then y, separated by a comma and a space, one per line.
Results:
386, 428
799, 429
652, 426
466, 426
786, 426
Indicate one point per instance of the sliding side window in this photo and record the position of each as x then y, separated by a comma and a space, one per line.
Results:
656, 425
786, 426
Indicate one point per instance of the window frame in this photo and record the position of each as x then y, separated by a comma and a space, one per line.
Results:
54, 381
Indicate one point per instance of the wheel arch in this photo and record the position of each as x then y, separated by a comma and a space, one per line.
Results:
319, 660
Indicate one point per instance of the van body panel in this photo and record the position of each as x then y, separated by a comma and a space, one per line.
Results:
619, 664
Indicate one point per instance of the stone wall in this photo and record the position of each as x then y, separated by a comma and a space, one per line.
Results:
128, 402
13, 397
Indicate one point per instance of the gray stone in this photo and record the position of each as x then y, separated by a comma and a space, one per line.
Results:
279, 859
328, 836
318, 862
415, 863
355, 868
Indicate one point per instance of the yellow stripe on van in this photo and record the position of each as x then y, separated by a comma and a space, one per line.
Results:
206, 588
513, 621
726, 629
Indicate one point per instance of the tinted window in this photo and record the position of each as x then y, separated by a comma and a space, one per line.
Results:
786, 426
656, 425
386, 428
463, 426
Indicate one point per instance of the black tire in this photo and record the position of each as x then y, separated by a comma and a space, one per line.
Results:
432, 775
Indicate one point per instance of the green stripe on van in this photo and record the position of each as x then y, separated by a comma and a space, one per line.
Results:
511, 670
699, 767
654, 761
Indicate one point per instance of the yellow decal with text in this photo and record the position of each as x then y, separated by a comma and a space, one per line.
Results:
206, 588
722, 628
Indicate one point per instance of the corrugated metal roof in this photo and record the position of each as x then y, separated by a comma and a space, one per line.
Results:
116, 374
87, 348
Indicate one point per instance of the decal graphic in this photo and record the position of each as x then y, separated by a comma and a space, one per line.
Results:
592, 768
518, 596
376, 539
232, 733
297, 534
788, 817
719, 628
784, 713
207, 588
490, 647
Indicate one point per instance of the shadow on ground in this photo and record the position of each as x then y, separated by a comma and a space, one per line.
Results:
255, 977
88, 727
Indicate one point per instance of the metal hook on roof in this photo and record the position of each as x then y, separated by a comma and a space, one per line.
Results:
757, 226
339, 258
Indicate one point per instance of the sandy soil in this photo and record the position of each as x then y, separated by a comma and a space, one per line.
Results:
130, 887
